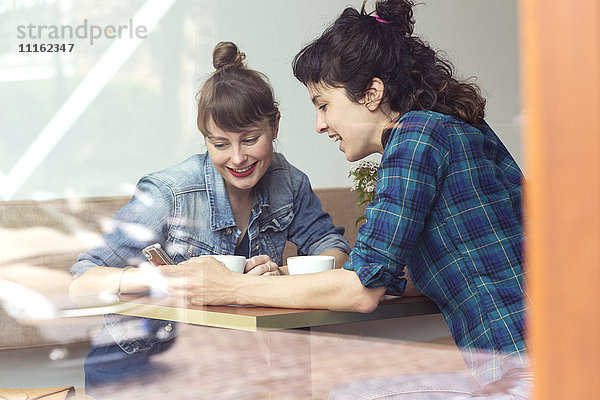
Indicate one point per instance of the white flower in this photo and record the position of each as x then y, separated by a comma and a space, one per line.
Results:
365, 180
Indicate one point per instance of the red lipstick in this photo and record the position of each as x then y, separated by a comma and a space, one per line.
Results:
245, 173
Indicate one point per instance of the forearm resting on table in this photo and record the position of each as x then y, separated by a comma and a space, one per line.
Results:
341, 258
105, 280
337, 289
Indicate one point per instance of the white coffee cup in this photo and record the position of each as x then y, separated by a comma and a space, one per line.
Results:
309, 264
234, 263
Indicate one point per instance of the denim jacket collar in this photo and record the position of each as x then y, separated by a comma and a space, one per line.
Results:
222, 216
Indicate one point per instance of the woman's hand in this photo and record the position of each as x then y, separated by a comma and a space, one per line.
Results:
201, 281
262, 265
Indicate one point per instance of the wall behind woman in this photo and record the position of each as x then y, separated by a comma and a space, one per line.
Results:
90, 122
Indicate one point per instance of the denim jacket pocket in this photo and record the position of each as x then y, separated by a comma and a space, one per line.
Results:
277, 221
187, 248
273, 230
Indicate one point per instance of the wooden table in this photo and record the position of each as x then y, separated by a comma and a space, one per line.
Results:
289, 361
251, 318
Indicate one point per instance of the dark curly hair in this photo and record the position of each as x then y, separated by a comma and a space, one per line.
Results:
359, 47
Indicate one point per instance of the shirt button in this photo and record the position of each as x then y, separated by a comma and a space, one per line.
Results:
169, 327
228, 231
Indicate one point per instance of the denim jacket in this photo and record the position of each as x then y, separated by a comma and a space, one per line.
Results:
185, 208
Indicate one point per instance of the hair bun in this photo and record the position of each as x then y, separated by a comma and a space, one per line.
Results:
399, 12
227, 55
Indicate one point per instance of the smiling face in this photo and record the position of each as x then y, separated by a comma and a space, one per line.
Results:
241, 158
357, 126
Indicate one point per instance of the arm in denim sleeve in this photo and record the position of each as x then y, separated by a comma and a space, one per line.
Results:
143, 221
412, 167
312, 229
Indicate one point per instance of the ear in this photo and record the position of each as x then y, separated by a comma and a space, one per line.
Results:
374, 94
276, 126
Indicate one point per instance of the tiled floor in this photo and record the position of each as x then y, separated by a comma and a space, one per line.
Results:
211, 363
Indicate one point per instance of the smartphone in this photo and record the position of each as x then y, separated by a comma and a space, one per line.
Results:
157, 256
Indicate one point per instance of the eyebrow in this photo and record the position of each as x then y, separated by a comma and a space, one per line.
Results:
242, 134
314, 98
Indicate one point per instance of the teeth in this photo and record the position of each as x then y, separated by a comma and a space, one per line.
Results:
239, 171
336, 138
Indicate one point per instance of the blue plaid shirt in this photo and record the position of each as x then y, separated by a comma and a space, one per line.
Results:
448, 206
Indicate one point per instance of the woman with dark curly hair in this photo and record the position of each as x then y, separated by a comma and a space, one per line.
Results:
448, 197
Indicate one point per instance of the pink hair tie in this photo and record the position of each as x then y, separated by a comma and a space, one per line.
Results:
379, 19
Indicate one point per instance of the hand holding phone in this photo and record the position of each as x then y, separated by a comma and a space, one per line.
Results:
157, 256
